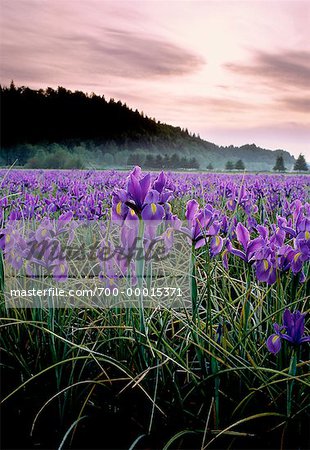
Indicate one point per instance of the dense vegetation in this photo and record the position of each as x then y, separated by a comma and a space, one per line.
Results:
103, 133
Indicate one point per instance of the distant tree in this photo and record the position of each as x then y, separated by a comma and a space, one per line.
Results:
239, 165
210, 167
136, 159
175, 161
193, 163
110, 147
108, 159
37, 161
74, 162
229, 165
131, 161
57, 158
301, 164
12, 86
158, 163
183, 163
279, 166
149, 160
166, 161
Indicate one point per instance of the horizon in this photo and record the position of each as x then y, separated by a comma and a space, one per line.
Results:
239, 74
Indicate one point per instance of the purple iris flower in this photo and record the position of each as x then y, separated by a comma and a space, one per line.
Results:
249, 246
274, 255
203, 223
138, 189
298, 225
285, 226
141, 199
243, 198
152, 209
292, 331
160, 185
266, 269
300, 254
60, 270
119, 206
261, 251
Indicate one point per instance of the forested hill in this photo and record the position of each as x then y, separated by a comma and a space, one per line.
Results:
44, 117
30, 116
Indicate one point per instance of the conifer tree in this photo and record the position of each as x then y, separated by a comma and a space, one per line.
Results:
279, 166
301, 164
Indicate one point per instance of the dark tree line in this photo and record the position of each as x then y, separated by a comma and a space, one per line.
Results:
162, 162
50, 116
239, 165
60, 115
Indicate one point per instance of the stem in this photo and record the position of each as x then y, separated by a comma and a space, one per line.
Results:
140, 263
290, 383
193, 282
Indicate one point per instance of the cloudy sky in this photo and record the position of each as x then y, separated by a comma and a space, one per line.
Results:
233, 71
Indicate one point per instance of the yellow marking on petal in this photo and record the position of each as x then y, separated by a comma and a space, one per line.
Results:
297, 256
307, 235
7, 238
62, 268
266, 265
217, 240
275, 338
119, 208
44, 232
153, 208
132, 212
169, 232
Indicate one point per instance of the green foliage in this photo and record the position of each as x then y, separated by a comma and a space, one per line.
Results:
38, 118
177, 365
158, 161
108, 159
279, 166
56, 158
34, 116
239, 165
229, 165
301, 164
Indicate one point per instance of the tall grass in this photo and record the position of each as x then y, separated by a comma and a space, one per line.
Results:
183, 363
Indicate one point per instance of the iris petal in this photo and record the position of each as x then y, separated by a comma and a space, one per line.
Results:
274, 343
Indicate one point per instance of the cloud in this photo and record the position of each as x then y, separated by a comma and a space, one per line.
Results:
299, 104
126, 54
285, 69
216, 104
102, 52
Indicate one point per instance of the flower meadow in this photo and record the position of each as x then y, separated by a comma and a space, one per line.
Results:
229, 371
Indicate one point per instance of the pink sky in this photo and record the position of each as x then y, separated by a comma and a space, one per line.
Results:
234, 72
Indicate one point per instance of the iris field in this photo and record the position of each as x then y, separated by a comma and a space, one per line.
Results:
230, 372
